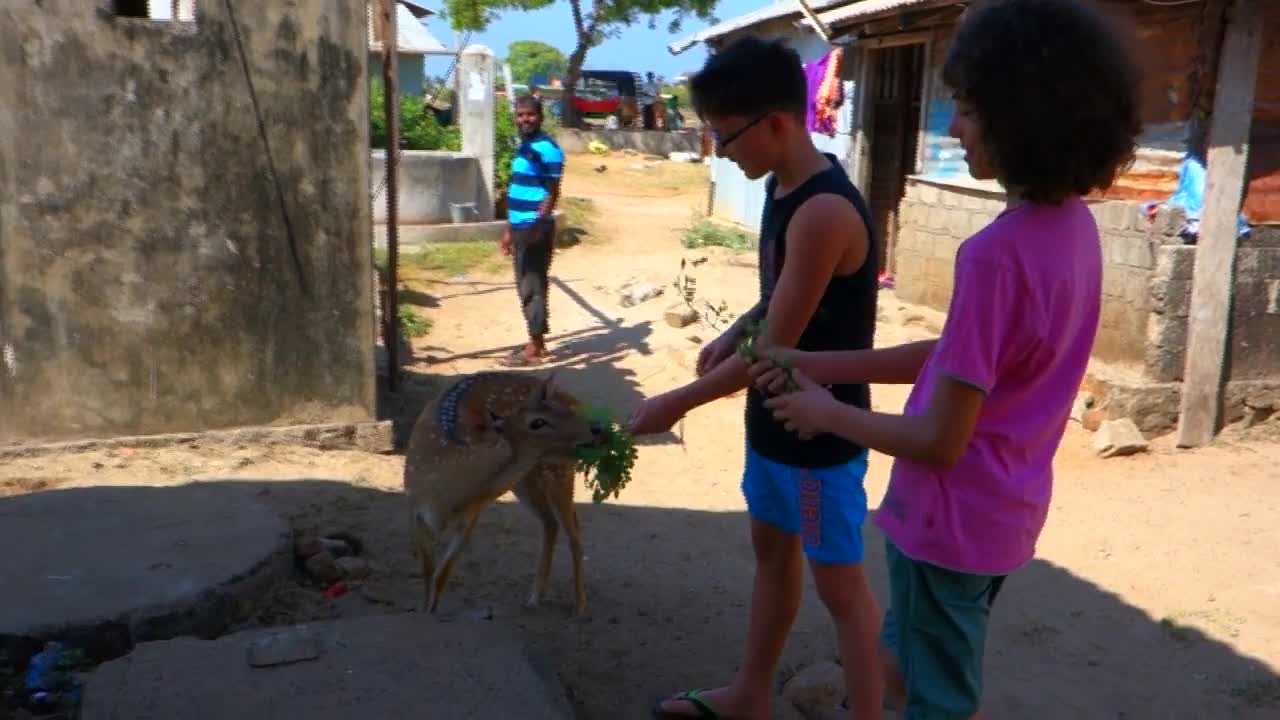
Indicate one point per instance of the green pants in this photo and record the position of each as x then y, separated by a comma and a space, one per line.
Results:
936, 626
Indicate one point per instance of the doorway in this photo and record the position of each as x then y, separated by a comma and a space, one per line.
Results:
895, 101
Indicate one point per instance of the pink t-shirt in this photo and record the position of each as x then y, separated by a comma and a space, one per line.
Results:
1028, 291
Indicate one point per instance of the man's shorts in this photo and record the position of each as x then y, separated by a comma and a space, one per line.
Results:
826, 506
936, 627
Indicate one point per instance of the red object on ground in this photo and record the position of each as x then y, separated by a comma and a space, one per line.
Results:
336, 590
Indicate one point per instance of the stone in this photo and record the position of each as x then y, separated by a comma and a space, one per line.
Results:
695, 339
323, 568
197, 555
1117, 438
680, 315
1093, 419
820, 685
283, 648
633, 296
380, 666
353, 567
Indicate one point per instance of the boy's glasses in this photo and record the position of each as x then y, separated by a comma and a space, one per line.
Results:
722, 143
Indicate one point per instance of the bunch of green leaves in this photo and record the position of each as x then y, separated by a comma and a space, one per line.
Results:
752, 349
606, 466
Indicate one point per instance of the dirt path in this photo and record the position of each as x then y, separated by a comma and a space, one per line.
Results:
1156, 593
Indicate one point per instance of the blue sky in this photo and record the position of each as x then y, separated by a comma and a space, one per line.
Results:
640, 49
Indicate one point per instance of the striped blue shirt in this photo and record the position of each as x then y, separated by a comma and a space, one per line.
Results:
539, 161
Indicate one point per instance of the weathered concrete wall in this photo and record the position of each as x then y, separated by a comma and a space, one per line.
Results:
429, 182
184, 230
1147, 280
936, 218
649, 142
1254, 354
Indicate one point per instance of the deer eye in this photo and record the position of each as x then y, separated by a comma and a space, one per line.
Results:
537, 424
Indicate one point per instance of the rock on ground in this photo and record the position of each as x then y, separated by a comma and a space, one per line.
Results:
1116, 438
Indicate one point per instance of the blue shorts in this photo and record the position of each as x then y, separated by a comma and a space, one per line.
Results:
826, 507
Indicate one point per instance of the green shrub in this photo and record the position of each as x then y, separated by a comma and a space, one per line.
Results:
419, 129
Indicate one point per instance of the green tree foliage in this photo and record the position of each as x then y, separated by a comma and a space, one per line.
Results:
593, 22
419, 129
534, 57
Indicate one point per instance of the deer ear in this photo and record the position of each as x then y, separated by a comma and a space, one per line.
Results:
479, 419
546, 390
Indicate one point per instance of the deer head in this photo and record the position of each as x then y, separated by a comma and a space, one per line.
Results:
545, 425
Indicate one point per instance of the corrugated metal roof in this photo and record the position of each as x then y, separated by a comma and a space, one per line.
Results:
780, 9
868, 9
412, 37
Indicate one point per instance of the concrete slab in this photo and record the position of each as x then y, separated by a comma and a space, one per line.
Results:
386, 666
106, 567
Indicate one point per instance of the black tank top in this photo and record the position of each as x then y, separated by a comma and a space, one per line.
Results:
844, 320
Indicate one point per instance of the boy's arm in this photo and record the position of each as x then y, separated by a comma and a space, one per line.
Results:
982, 335
897, 365
937, 438
811, 261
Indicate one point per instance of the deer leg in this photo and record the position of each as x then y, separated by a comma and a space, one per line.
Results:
562, 506
533, 496
457, 541
424, 544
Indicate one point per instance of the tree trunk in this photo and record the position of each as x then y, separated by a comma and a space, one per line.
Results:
568, 113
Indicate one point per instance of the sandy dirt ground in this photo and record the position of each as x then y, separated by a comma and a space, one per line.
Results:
1156, 592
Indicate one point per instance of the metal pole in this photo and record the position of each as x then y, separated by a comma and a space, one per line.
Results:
391, 107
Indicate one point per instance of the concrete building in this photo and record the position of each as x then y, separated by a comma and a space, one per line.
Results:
925, 204
414, 43
184, 219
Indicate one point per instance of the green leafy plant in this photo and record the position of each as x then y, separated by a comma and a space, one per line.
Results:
606, 466
419, 129
703, 232
752, 349
413, 324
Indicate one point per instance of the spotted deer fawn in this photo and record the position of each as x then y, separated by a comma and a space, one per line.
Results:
486, 434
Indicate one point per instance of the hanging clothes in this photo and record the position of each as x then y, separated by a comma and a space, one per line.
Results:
825, 92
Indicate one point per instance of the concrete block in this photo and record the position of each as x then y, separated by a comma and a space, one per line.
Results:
1136, 290
1116, 438
383, 666
128, 564
958, 223
979, 220
1171, 279
1112, 281
1115, 215
929, 194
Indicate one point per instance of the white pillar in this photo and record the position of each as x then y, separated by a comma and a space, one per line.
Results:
476, 74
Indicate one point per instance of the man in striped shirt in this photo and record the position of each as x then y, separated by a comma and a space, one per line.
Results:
536, 170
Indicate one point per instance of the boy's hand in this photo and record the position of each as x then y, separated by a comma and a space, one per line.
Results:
655, 415
506, 241
808, 411
715, 352
769, 373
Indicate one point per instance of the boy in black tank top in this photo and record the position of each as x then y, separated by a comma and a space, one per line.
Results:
818, 284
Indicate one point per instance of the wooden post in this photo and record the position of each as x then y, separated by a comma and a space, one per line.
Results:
814, 21
391, 107
1209, 323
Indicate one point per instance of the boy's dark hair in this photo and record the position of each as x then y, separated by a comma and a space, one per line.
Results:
1056, 90
529, 102
750, 76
